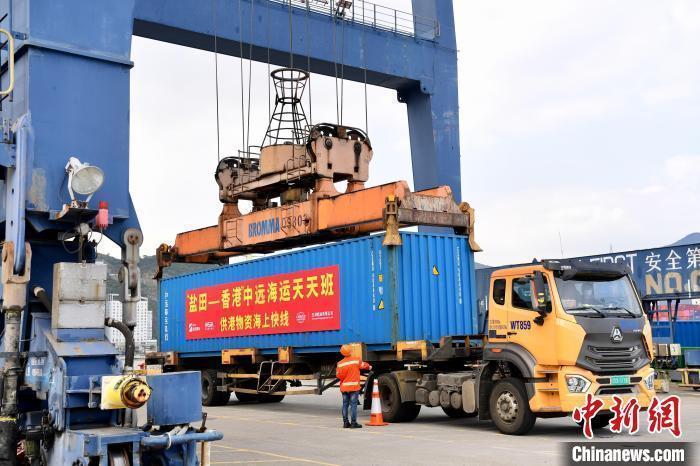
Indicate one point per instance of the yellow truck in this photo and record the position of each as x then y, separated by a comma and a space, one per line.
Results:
557, 331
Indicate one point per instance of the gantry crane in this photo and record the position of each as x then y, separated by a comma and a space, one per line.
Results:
65, 108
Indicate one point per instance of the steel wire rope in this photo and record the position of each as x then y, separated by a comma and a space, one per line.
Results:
335, 72
250, 74
364, 62
308, 60
240, 45
216, 80
293, 88
291, 37
269, 77
342, 68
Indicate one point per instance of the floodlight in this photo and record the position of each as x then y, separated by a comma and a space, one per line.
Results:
83, 178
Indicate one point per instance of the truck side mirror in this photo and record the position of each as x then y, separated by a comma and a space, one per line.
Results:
540, 301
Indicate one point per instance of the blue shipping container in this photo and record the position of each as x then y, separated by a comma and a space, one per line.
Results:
422, 290
686, 332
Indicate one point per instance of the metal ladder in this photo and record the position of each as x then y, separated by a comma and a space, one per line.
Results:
667, 326
7, 54
265, 382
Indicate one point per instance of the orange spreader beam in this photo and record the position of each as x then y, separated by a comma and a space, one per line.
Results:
386, 207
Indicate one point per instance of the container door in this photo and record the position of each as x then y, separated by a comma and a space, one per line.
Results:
538, 340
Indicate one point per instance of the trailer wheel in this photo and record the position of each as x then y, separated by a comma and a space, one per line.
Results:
210, 395
393, 409
246, 397
274, 398
457, 413
509, 407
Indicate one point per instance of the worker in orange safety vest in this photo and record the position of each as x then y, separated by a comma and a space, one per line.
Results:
348, 372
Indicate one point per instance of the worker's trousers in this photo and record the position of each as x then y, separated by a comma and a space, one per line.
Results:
350, 400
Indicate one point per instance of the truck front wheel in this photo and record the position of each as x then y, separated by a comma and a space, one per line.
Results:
393, 409
509, 407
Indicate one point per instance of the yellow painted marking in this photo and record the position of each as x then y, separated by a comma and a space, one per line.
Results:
381, 304
435, 270
254, 461
381, 277
335, 427
275, 455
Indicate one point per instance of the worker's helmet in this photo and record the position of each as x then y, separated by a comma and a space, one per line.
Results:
345, 350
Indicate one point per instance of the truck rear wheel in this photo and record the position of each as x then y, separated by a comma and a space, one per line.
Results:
210, 395
509, 407
393, 409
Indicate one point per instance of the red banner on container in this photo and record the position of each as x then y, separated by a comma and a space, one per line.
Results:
302, 301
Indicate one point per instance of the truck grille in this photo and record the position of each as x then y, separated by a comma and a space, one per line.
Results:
615, 358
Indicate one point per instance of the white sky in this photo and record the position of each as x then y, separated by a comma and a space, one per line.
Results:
578, 118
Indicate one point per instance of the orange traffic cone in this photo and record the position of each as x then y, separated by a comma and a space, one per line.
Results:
375, 417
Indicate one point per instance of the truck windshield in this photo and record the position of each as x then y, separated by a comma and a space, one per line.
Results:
599, 298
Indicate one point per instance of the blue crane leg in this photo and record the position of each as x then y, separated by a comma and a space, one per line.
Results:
433, 109
72, 77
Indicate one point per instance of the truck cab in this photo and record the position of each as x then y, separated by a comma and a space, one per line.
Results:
557, 331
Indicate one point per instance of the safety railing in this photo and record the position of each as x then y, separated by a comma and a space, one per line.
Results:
371, 15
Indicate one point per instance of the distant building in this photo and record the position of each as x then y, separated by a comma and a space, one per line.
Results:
143, 333
113, 309
144, 324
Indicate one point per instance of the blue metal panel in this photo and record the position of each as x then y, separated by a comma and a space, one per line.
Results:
411, 65
692, 358
175, 399
686, 332
72, 77
408, 302
661, 273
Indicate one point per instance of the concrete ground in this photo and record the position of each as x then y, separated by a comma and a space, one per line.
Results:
303, 430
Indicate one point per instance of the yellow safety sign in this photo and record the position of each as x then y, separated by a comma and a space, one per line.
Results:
435, 270
381, 304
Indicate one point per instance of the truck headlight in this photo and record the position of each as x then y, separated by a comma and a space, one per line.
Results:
649, 380
577, 383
